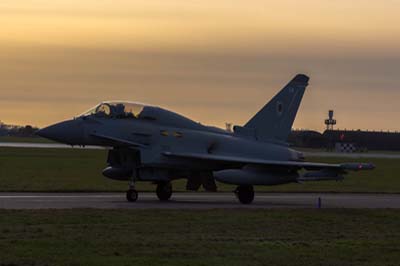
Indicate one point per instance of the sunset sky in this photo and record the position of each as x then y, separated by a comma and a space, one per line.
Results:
214, 61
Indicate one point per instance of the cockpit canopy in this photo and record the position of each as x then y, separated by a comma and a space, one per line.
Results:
132, 110
118, 110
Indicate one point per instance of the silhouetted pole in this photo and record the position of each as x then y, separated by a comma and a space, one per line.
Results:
330, 122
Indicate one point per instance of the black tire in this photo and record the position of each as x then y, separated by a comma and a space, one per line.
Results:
132, 195
164, 191
245, 194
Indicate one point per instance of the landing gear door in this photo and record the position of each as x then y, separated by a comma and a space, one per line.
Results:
125, 158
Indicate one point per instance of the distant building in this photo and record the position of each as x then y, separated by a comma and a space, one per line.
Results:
18, 131
307, 139
369, 140
345, 140
3, 130
362, 140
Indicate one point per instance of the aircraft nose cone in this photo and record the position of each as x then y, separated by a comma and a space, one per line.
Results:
69, 132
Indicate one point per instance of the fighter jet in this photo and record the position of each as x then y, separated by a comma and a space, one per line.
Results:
149, 143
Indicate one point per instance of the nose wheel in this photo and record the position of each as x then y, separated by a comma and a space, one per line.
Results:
164, 191
245, 194
132, 195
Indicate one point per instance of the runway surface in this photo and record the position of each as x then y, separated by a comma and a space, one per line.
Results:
195, 201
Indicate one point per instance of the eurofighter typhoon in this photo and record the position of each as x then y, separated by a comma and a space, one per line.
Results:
149, 143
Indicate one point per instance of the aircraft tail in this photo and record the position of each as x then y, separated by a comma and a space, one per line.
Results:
275, 120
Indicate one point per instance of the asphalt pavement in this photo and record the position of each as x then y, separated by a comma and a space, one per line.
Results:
196, 201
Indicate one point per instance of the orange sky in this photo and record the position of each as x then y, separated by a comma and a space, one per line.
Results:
214, 61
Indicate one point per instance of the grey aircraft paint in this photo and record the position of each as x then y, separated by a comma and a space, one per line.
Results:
148, 143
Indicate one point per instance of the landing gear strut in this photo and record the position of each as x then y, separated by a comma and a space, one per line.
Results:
132, 194
164, 191
245, 194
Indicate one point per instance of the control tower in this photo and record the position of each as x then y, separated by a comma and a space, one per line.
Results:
330, 122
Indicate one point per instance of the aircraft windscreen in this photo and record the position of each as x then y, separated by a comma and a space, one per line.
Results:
116, 110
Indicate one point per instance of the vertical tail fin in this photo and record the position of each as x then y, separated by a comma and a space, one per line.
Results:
275, 120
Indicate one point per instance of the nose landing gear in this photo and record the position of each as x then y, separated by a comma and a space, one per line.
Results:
132, 195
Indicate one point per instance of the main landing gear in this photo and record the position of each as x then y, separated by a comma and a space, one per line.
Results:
164, 191
245, 194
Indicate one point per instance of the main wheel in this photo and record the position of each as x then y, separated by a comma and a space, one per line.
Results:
164, 191
245, 194
132, 195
